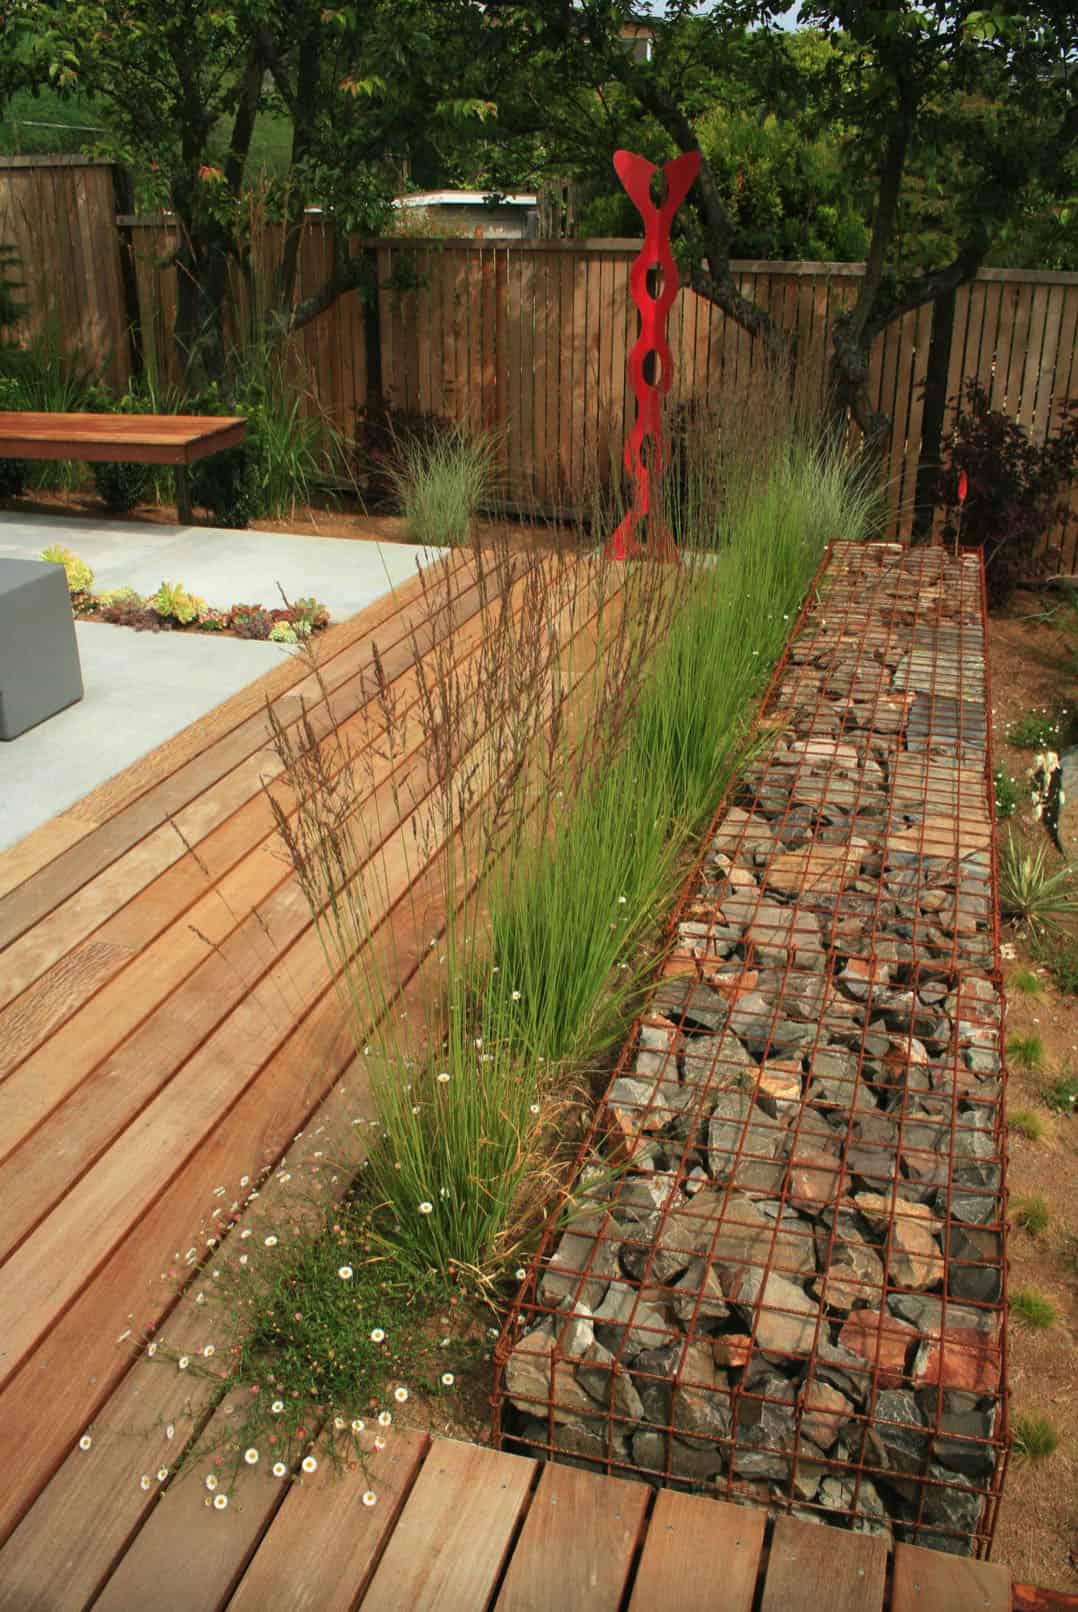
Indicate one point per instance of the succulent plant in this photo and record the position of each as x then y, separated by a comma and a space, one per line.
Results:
282, 632
251, 621
311, 610
173, 602
79, 574
118, 596
213, 620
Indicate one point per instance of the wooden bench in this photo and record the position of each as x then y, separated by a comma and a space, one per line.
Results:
145, 439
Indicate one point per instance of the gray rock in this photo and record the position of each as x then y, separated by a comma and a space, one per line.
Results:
745, 1147
625, 1324
609, 1384
715, 1060
697, 1296
590, 1448
701, 1402
690, 999
661, 1453
589, 1245
783, 1317
766, 1430
537, 1382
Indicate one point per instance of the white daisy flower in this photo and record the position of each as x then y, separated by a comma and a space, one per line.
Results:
516, 996
220, 1502
279, 1469
345, 1273
151, 1350
384, 1418
379, 1443
209, 1351
162, 1473
448, 1379
358, 1425
309, 1464
369, 1497
400, 1395
251, 1457
426, 1208
211, 1483
443, 1077
183, 1362
377, 1335
144, 1482
270, 1242
277, 1407
85, 1441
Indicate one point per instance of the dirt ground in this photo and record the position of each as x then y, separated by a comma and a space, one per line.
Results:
1037, 1535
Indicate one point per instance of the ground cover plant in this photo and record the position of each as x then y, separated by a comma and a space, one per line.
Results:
1034, 1437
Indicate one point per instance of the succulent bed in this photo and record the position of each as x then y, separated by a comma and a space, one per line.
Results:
173, 609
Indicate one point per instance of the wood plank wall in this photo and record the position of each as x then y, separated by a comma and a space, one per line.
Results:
529, 339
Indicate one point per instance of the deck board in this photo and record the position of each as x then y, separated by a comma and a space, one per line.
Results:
581, 1530
808, 1568
687, 1536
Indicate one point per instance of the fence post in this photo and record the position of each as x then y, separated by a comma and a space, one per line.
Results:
124, 193
935, 403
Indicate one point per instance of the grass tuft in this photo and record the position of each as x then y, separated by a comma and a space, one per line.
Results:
1062, 1095
1031, 1309
1031, 1213
441, 485
1034, 1437
1006, 793
1027, 981
1026, 1122
1026, 1052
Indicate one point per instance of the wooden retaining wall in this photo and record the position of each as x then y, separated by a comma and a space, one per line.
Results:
529, 339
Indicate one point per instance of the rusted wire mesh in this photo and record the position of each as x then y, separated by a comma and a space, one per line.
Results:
779, 1276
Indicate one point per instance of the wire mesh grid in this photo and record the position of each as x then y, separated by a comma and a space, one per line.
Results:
779, 1275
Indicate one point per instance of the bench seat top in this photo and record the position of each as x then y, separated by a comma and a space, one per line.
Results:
155, 439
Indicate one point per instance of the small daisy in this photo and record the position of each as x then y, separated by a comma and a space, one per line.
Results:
271, 1242
370, 1498
345, 1273
384, 1418
377, 1335
183, 1362
209, 1351
277, 1407
279, 1469
170, 1430
358, 1425
245, 1233
520, 1273
243, 1259
144, 1482
85, 1441
400, 1395
448, 1379
151, 1350
379, 1443
251, 1457
162, 1473
443, 1078
516, 996
309, 1464
426, 1208
211, 1483
533, 1108
220, 1502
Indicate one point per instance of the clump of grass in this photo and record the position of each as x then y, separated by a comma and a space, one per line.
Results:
1006, 793
1026, 1052
1062, 960
1062, 1095
1027, 981
1031, 1309
1031, 1212
1038, 728
1026, 1122
1030, 893
441, 484
1034, 1437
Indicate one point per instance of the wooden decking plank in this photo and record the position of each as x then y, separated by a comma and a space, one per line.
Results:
936, 1581
323, 1545
38, 1172
454, 1533
187, 1555
699, 1552
576, 1547
828, 1569
222, 826
94, 1502
29, 902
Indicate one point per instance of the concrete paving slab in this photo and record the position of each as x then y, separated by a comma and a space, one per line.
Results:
141, 688
224, 567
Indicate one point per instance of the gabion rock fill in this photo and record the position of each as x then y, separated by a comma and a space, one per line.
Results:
779, 1276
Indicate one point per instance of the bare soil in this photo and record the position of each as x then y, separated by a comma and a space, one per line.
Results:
1037, 1534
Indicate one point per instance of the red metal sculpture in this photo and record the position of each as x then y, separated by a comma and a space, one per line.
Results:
650, 364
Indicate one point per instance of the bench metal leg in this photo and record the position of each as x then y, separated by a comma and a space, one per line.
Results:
183, 496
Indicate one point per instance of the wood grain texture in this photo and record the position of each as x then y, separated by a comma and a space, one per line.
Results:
687, 1537
808, 1567
323, 1546
936, 1581
169, 439
577, 1543
454, 1533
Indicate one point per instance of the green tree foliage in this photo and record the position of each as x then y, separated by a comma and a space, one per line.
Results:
952, 123
356, 84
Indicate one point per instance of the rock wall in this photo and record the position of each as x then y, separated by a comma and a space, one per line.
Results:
779, 1278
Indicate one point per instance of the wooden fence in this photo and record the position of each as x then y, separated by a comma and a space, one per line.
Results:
530, 339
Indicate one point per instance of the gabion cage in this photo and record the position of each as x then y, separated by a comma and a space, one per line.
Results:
779, 1275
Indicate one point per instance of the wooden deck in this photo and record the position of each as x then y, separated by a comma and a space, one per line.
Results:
459, 1528
168, 1032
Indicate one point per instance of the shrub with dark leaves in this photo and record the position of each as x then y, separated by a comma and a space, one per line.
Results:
251, 621
1016, 488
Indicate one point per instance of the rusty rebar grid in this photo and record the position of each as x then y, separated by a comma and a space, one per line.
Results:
780, 1275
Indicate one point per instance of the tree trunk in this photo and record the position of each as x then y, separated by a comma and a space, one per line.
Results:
935, 404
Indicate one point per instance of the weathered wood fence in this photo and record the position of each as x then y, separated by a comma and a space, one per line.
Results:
529, 339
